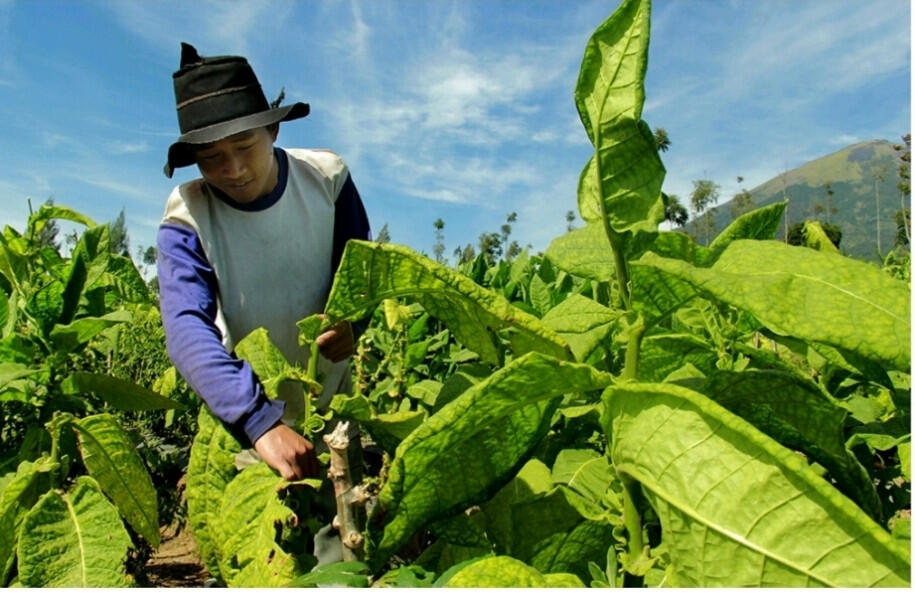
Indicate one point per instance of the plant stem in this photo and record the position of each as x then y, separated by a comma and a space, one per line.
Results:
632, 519
349, 495
633, 347
622, 267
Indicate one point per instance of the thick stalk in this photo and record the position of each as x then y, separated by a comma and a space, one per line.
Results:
349, 495
633, 347
632, 519
622, 267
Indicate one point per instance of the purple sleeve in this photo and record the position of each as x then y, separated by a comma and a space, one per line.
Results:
187, 294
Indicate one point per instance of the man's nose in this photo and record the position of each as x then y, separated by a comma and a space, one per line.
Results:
234, 165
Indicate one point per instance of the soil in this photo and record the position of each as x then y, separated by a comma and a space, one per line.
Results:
176, 563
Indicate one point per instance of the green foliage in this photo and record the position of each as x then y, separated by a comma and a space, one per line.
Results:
754, 510
73, 540
59, 317
491, 427
506, 572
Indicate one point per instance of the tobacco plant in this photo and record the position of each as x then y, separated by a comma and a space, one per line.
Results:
69, 474
649, 411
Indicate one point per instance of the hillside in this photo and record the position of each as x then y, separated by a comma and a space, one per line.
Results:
850, 173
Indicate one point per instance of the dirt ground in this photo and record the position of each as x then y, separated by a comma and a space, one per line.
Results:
176, 563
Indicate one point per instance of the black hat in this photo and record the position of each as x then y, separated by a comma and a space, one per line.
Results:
217, 97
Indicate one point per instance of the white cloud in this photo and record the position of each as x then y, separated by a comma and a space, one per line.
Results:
843, 140
125, 147
214, 27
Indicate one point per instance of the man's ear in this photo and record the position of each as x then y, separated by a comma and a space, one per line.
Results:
274, 130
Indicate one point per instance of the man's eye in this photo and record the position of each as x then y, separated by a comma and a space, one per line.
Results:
246, 147
207, 157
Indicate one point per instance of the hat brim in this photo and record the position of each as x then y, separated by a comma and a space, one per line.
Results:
181, 152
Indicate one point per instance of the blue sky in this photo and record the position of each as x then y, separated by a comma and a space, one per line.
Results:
461, 110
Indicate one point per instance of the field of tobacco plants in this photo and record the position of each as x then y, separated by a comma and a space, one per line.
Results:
629, 408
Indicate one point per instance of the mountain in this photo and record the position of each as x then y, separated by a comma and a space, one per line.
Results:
851, 175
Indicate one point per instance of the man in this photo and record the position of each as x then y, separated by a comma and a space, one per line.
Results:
252, 243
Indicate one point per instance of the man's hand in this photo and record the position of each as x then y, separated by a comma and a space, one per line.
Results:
287, 452
336, 343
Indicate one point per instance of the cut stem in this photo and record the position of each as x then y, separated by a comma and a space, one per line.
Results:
349, 495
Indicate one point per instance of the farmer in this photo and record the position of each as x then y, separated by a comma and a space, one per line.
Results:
252, 243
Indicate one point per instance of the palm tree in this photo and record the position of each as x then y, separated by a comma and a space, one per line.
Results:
674, 211
662, 139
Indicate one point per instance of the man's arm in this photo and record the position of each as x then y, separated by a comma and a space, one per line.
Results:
188, 289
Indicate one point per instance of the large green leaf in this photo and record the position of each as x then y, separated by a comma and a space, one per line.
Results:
541, 524
656, 294
370, 272
506, 572
74, 540
585, 471
211, 467
46, 213
550, 534
114, 462
585, 251
622, 182
808, 294
4, 313
122, 279
662, 354
269, 364
121, 394
70, 337
486, 433
736, 508
759, 224
13, 265
12, 371
800, 415
582, 323
19, 493
250, 515
531, 481
74, 284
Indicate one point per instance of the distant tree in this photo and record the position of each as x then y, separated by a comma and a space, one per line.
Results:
71, 238
742, 202
661, 139
513, 250
674, 211
905, 164
783, 178
48, 234
704, 195
903, 227
797, 238
149, 255
905, 190
879, 173
570, 221
119, 240
465, 255
506, 228
439, 247
490, 244
384, 236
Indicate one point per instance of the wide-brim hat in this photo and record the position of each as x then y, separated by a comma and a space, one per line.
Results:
217, 97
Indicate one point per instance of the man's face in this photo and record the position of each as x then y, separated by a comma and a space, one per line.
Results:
242, 166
